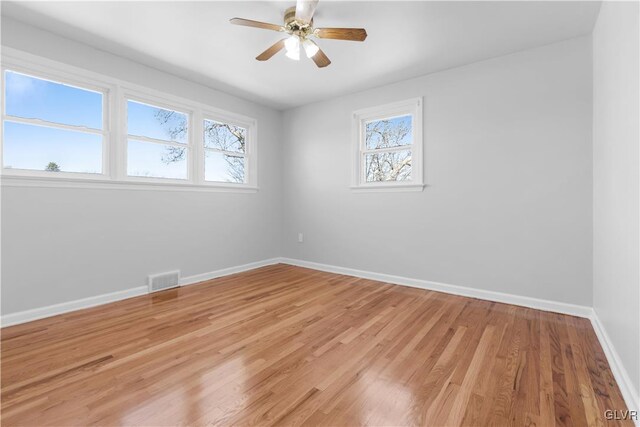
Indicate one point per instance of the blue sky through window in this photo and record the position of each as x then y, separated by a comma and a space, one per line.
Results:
33, 98
148, 159
154, 122
386, 133
34, 146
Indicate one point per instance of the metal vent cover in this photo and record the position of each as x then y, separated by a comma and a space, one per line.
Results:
162, 281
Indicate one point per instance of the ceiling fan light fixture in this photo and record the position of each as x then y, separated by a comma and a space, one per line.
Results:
299, 27
310, 48
292, 45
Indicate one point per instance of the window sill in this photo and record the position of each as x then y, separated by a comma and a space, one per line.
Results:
110, 184
384, 188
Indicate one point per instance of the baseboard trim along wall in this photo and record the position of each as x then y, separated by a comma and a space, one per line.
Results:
66, 307
540, 304
626, 386
629, 392
197, 278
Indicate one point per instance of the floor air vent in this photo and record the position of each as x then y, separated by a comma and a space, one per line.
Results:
162, 281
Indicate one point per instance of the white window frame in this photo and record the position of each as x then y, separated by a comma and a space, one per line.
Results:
250, 162
67, 79
411, 107
130, 95
115, 142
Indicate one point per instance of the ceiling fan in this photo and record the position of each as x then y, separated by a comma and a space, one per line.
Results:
298, 24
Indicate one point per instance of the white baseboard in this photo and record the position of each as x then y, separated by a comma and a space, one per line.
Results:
627, 389
191, 280
539, 304
66, 307
629, 392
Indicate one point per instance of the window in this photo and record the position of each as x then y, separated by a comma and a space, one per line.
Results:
225, 152
51, 127
388, 147
67, 127
157, 142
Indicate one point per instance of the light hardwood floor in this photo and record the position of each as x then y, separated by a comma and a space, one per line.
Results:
286, 345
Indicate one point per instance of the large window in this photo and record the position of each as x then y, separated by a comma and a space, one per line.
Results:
63, 126
51, 127
388, 147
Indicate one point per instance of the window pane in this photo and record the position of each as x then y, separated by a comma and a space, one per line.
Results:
389, 166
223, 136
388, 133
56, 150
156, 160
34, 98
223, 168
155, 122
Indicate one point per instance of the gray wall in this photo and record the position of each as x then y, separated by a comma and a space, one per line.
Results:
508, 164
507, 208
616, 135
62, 244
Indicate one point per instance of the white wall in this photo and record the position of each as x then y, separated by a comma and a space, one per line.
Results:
508, 167
60, 245
616, 135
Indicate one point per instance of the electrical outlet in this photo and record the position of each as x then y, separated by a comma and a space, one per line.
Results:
300, 237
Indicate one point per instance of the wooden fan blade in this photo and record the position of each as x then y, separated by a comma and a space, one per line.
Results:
305, 10
321, 59
353, 34
256, 24
275, 48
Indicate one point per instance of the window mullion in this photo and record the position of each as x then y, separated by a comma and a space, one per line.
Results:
54, 125
389, 149
158, 141
227, 153
196, 138
121, 144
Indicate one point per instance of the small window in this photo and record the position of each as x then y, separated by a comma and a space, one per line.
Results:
225, 148
157, 142
388, 145
51, 127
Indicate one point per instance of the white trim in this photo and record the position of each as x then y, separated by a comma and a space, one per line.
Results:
383, 188
141, 138
116, 92
52, 125
157, 184
165, 104
410, 107
539, 304
197, 278
629, 392
250, 147
66, 307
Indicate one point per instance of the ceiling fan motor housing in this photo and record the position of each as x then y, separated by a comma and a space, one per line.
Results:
292, 25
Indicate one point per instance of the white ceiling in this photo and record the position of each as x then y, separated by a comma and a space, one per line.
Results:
406, 39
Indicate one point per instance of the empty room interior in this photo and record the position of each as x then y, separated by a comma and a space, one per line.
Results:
331, 213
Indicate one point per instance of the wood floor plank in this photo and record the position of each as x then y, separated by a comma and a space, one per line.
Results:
283, 345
